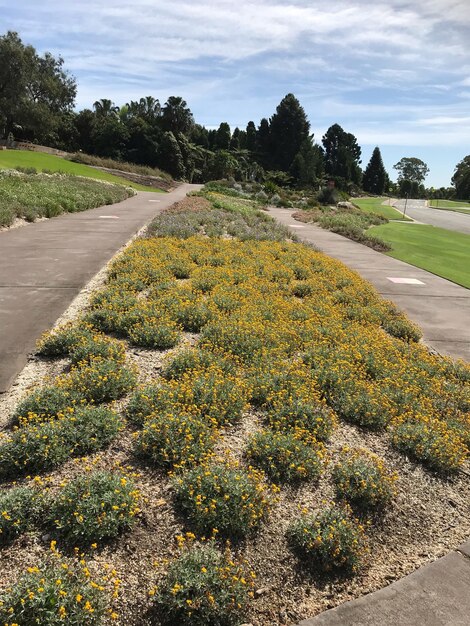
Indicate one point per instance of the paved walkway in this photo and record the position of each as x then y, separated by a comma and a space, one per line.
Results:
45, 265
437, 594
441, 308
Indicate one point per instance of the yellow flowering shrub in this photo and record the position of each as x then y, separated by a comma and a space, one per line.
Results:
93, 508
203, 587
362, 479
329, 541
54, 594
223, 496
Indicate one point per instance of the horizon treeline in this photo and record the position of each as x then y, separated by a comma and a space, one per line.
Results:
37, 98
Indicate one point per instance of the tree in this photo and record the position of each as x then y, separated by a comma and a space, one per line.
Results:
170, 158
375, 177
176, 116
35, 91
106, 108
109, 138
307, 166
251, 136
342, 156
461, 179
411, 168
289, 129
263, 144
222, 141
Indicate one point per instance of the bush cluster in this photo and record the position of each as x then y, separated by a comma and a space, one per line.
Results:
204, 587
329, 541
93, 508
54, 594
286, 457
221, 497
362, 479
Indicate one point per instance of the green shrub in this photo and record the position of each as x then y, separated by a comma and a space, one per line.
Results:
93, 508
402, 329
17, 508
45, 404
40, 447
7, 216
192, 360
362, 479
216, 394
360, 403
101, 380
432, 443
222, 497
53, 595
329, 541
159, 334
192, 316
297, 412
284, 457
174, 441
98, 347
203, 587
60, 341
302, 289
147, 400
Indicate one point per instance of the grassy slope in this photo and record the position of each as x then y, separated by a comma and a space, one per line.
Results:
41, 161
374, 205
460, 207
437, 250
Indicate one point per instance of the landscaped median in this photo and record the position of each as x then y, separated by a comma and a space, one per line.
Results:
236, 429
30, 196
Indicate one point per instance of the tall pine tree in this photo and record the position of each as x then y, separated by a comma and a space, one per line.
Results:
289, 129
375, 177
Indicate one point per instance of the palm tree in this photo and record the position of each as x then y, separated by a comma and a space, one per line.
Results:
105, 108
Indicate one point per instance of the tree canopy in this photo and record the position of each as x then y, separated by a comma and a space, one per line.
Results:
411, 168
375, 178
461, 179
342, 156
35, 91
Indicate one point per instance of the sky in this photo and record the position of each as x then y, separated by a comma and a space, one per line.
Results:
394, 73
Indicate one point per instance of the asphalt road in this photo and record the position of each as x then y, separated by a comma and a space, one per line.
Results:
417, 209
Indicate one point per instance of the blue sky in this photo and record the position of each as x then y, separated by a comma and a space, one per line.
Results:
394, 73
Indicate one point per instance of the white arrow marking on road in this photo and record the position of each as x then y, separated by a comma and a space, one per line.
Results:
109, 217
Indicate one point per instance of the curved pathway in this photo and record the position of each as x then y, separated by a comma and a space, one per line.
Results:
450, 220
46, 264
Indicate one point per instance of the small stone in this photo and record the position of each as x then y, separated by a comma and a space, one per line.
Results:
261, 591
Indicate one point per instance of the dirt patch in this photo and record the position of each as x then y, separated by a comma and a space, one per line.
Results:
190, 203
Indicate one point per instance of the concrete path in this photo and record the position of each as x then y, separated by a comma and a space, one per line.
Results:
451, 220
45, 265
436, 595
441, 308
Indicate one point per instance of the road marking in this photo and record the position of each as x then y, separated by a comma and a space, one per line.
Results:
109, 217
296, 226
405, 281
154, 200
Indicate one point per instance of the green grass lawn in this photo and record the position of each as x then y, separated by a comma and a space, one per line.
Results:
26, 158
374, 205
446, 205
442, 252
